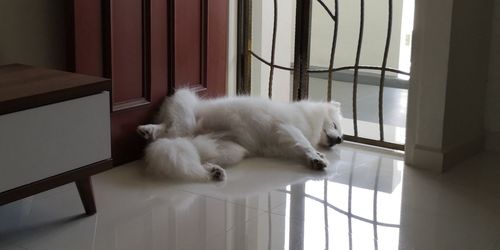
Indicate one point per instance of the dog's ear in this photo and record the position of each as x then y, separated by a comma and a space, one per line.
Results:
335, 104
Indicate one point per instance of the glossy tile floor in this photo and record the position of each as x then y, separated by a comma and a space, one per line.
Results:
365, 200
395, 100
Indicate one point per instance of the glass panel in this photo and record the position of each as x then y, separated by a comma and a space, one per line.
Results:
338, 230
376, 17
362, 235
314, 225
316, 189
394, 104
262, 34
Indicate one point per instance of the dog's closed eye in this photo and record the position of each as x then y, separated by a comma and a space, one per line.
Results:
334, 125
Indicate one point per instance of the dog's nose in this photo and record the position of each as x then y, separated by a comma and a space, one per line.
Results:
339, 140
332, 141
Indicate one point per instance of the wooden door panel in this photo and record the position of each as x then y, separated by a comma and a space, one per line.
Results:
200, 45
158, 54
148, 48
188, 43
216, 43
88, 37
128, 38
138, 52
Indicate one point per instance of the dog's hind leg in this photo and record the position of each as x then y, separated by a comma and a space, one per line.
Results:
217, 173
179, 158
151, 131
229, 153
213, 148
293, 142
175, 119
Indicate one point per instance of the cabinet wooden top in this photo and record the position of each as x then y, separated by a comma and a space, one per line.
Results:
23, 87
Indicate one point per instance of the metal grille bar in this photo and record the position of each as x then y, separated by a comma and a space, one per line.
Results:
349, 204
366, 67
387, 69
299, 192
244, 33
377, 143
382, 74
350, 215
332, 16
334, 47
325, 211
302, 46
356, 69
301, 68
273, 50
375, 202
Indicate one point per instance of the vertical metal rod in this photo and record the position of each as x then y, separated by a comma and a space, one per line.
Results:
356, 69
297, 219
239, 230
302, 47
382, 75
146, 49
203, 45
349, 201
171, 46
325, 207
375, 198
244, 36
332, 53
273, 50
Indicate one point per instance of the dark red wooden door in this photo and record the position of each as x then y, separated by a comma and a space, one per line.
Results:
149, 48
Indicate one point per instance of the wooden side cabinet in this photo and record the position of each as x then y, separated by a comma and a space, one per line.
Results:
54, 129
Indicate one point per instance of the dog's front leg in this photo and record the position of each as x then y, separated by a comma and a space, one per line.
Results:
151, 131
294, 141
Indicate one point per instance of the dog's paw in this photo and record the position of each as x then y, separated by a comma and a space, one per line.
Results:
321, 155
217, 173
146, 131
318, 161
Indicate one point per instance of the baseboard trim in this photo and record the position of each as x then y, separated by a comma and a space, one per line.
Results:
426, 158
439, 160
463, 151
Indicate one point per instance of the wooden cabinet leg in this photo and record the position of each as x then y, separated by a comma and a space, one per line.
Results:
86, 194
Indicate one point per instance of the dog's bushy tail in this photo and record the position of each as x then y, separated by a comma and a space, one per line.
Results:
179, 158
177, 112
198, 158
218, 149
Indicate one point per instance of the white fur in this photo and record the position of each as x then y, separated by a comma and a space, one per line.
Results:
193, 137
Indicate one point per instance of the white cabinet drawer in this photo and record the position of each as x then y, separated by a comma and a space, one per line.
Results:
45, 141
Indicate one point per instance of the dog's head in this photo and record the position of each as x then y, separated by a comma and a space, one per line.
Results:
331, 133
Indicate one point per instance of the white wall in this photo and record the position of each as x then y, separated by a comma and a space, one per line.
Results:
34, 32
448, 82
492, 111
426, 98
375, 30
467, 75
321, 39
452, 105
262, 28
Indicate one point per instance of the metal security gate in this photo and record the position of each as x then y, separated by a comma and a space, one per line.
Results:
301, 69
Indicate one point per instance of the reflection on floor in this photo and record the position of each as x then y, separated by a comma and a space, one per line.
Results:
365, 200
394, 106
395, 101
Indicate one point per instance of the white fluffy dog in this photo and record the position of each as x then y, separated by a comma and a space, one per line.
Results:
195, 138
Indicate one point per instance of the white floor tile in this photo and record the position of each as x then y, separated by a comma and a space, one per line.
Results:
366, 199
